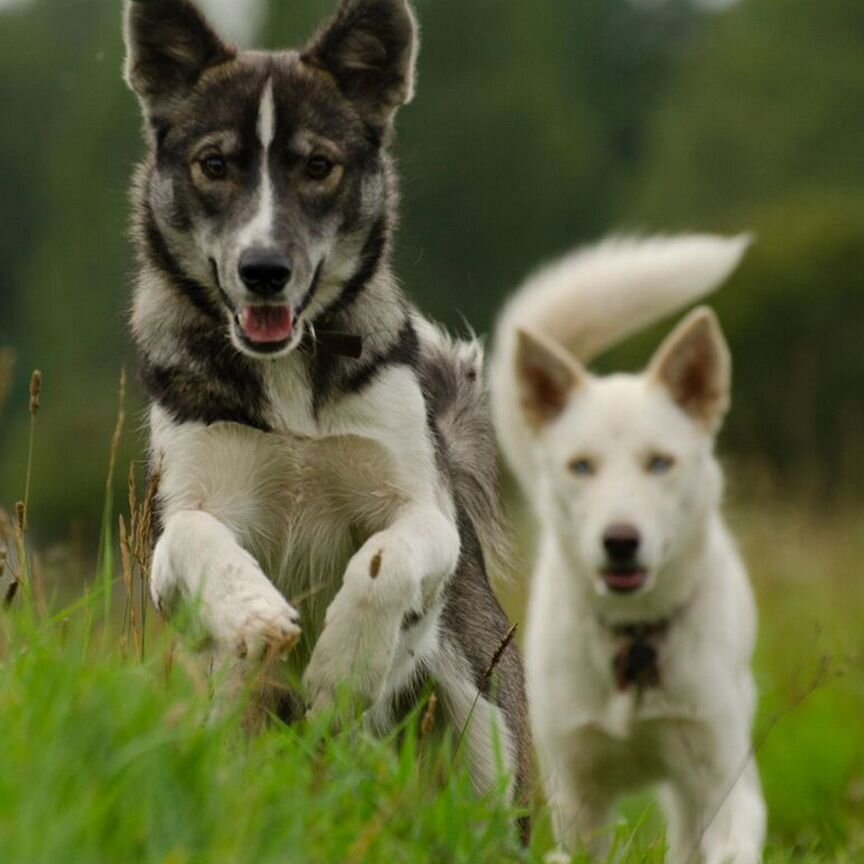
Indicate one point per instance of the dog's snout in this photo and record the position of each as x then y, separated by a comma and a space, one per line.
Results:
621, 542
264, 271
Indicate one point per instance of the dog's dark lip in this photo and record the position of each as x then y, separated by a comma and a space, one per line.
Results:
214, 267
624, 580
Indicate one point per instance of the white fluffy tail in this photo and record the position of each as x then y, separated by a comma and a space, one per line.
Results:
593, 299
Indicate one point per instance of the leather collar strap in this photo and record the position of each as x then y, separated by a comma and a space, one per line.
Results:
333, 342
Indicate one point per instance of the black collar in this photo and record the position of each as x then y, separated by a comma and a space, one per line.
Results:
636, 662
335, 342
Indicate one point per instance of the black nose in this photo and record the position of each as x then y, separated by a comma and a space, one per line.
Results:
264, 271
621, 543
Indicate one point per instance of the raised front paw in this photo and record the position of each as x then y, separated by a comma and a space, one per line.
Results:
229, 597
357, 646
251, 618
349, 657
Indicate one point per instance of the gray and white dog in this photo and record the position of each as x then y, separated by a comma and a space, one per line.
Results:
314, 435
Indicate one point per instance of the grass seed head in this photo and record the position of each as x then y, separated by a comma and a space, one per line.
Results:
35, 392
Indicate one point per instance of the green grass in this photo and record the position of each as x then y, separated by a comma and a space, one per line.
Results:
106, 754
108, 758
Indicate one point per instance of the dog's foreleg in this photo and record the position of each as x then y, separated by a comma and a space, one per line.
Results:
705, 830
737, 832
397, 572
198, 560
579, 810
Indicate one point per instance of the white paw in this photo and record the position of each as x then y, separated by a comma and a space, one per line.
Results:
239, 608
249, 616
357, 646
557, 856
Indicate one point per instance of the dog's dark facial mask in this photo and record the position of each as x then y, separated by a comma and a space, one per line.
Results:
269, 174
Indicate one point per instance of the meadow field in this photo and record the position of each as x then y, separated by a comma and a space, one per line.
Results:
107, 756
537, 127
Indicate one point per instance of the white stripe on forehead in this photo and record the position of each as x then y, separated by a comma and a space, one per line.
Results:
267, 116
258, 231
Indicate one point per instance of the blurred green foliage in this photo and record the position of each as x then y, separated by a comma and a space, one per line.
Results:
536, 127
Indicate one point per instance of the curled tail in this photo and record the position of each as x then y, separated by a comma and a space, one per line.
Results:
594, 298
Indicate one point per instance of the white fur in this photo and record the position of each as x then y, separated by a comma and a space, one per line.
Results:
294, 500
691, 734
594, 298
490, 747
259, 229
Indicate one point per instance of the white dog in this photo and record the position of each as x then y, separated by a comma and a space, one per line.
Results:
641, 621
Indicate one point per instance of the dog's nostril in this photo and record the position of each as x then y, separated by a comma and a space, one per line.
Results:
264, 271
621, 542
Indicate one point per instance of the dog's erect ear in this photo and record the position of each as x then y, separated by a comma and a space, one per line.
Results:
694, 365
168, 45
546, 376
370, 49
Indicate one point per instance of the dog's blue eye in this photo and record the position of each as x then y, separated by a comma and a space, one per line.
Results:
582, 466
319, 168
214, 167
659, 464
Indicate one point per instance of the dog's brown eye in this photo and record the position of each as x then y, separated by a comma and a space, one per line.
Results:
582, 466
319, 168
659, 463
214, 167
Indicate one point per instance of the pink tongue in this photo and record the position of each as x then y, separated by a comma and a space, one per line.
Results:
267, 323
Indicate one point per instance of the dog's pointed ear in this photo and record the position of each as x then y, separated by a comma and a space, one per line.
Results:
169, 45
695, 367
546, 376
370, 50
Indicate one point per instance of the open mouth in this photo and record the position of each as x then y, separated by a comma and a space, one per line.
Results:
266, 327
625, 580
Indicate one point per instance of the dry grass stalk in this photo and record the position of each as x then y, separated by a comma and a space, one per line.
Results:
136, 550
6, 532
427, 724
118, 429
499, 653
7, 538
485, 681
105, 565
7, 365
130, 616
35, 402
22, 571
19, 528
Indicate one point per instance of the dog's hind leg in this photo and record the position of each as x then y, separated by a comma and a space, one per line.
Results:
479, 670
479, 724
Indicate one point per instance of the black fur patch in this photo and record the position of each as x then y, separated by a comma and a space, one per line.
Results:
212, 382
403, 352
161, 256
370, 259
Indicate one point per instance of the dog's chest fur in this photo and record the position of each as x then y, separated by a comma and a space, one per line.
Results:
299, 502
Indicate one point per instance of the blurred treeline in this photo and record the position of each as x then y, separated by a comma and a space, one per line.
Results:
538, 125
